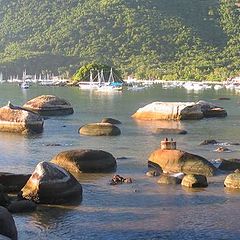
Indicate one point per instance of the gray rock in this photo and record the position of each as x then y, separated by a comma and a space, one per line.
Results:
194, 181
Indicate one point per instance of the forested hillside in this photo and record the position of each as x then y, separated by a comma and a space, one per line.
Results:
164, 39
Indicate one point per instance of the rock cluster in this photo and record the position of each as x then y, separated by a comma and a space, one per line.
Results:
179, 111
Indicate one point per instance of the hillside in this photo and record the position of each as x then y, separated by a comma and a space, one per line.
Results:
187, 39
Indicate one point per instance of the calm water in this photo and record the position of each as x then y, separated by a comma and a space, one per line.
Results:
144, 209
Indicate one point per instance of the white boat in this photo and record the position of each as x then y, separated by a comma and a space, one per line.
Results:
90, 84
24, 85
111, 85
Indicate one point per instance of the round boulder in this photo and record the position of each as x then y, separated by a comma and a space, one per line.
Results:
175, 161
233, 180
110, 120
50, 183
86, 161
49, 105
194, 181
18, 120
7, 226
99, 129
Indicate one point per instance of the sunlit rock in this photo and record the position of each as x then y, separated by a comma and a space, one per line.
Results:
194, 181
49, 105
179, 111
233, 180
86, 161
50, 183
18, 120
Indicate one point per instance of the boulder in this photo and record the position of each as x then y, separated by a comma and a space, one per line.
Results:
99, 129
4, 199
13, 182
49, 105
168, 179
194, 181
232, 181
174, 161
86, 161
7, 226
153, 173
179, 111
170, 131
18, 120
51, 184
22, 206
230, 164
110, 120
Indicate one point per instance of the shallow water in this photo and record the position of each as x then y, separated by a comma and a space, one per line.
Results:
144, 209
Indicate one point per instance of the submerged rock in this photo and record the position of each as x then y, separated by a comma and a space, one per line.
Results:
18, 120
174, 161
49, 105
170, 131
7, 226
230, 164
50, 183
117, 179
179, 111
232, 181
110, 120
194, 181
86, 161
208, 142
99, 129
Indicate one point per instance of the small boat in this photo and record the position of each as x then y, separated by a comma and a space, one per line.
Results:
24, 85
90, 84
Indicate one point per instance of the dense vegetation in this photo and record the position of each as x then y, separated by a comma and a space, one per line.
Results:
187, 39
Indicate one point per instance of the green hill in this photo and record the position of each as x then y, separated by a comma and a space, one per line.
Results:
166, 39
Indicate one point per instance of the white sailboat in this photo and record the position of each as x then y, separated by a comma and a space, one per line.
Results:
89, 85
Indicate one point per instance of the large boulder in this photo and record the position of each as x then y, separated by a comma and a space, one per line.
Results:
86, 161
169, 179
50, 183
7, 226
194, 181
99, 129
174, 161
13, 182
232, 181
178, 111
230, 164
49, 105
18, 120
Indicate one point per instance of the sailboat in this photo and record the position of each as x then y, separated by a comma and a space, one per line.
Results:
111, 85
90, 84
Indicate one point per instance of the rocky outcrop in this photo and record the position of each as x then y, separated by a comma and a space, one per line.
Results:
86, 161
179, 111
110, 120
230, 164
18, 120
194, 181
13, 182
99, 129
7, 226
50, 183
232, 181
174, 161
49, 105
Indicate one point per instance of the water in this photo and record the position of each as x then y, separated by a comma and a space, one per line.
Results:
144, 209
